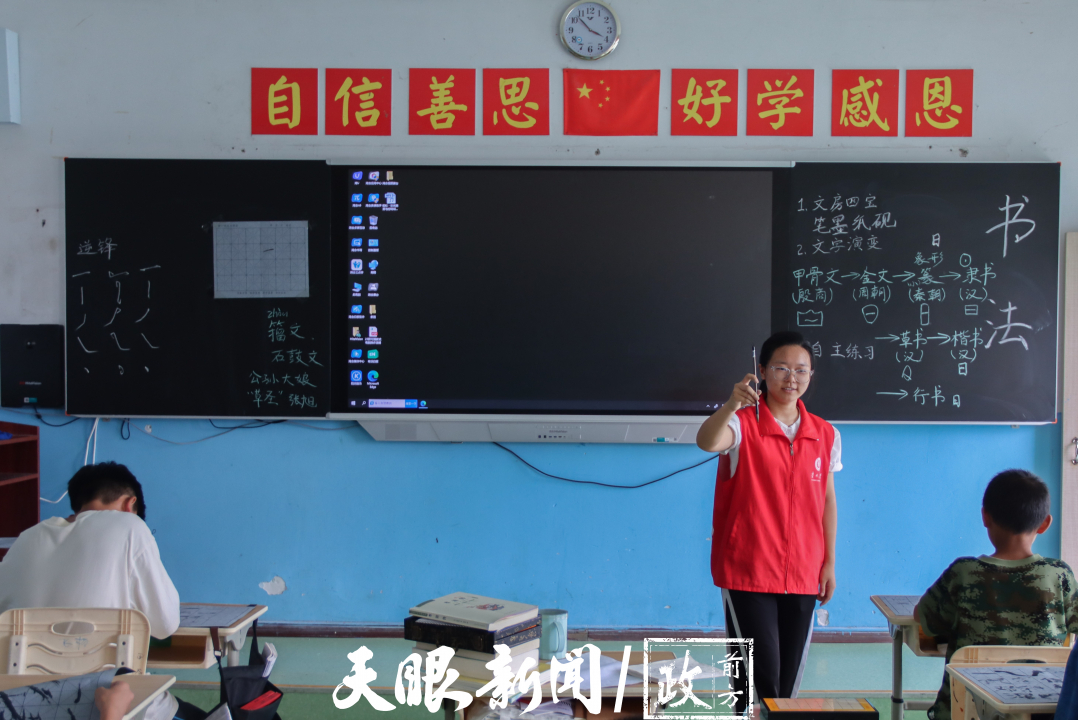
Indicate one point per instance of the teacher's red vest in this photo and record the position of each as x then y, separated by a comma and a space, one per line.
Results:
768, 523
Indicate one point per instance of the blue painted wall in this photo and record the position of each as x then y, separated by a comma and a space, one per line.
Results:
360, 531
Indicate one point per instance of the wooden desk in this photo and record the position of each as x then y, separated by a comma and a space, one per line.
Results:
609, 694
982, 703
145, 687
904, 630
192, 647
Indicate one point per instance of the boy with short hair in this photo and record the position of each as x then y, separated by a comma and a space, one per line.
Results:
1012, 597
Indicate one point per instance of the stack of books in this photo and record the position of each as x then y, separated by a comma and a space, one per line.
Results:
472, 625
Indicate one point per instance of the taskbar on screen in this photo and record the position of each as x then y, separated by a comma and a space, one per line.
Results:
524, 407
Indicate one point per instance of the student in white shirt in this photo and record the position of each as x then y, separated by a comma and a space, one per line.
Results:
102, 556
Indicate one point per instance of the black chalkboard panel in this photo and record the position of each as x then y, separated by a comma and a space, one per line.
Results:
929, 291
197, 288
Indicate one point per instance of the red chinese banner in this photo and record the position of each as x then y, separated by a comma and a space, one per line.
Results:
516, 102
284, 101
939, 103
779, 102
703, 102
611, 102
358, 102
864, 103
441, 101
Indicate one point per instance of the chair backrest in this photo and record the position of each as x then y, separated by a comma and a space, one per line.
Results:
72, 641
994, 655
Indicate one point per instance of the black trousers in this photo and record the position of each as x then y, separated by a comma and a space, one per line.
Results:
779, 625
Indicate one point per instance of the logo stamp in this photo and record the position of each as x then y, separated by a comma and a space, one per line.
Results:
699, 683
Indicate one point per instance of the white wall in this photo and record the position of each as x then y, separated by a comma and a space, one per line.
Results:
118, 78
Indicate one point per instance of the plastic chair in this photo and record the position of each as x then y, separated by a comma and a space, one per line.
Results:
994, 655
72, 641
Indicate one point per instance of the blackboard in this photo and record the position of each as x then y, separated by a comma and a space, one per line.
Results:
929, 291
197, 288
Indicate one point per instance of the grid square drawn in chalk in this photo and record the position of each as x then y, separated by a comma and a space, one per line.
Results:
705, 695
260, 259
70, 698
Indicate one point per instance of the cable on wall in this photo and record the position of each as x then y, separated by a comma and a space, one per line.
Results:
601, 484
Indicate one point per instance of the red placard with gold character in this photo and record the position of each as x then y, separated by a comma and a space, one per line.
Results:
284, 101
939, 103
779, 102
516, 101
864, 103
358, 102
703, 102
441, 101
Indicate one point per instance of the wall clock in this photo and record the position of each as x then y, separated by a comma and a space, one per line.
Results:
590, 29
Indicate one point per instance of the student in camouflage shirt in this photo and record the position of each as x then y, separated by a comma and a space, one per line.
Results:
1011, 597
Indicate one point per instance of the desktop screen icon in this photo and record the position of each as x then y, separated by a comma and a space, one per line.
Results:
374, 310
373, 242
356, 332
357, 287
373, 264
357, 175
372, 376
357, 354
373, 175
357, 197
357, 242
357, 266
374, 220
372, 354
372, 331
357, 219
391, 198
357, 309
372, 198
357, 376
389, 174
373, 287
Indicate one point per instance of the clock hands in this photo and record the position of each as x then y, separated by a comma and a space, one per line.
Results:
589, 29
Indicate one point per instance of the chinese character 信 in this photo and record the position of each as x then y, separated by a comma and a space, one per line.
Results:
512, 92
694, 98
935, 100
281, 104
779, 98
859, 105
442, 105
367, 115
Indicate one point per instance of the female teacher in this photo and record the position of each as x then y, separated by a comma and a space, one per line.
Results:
773, 540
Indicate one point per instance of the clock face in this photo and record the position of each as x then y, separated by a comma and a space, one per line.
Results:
590, 30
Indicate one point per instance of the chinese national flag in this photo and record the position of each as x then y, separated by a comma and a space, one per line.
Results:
516, 102
358, 102
441, 101
939, 103
864, 103
611, 102
284, 101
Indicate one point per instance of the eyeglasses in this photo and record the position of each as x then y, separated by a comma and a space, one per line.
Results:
800, 375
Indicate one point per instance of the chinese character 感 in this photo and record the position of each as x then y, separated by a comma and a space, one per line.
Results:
860, 105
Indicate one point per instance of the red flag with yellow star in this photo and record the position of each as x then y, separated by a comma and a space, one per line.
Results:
611, 102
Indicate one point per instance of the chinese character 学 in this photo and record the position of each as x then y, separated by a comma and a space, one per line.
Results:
860, 105
367, 115
779, 98
512, 92
936, 104
694, 98
442, 105
280, 104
